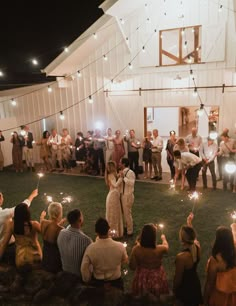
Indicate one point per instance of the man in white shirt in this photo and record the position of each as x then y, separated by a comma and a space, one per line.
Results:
101, 264
5, 215
54, 142
157, 147
208, 152
191, 164
127, 195
194, 142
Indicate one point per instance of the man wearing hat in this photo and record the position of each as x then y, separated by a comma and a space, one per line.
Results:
208, 152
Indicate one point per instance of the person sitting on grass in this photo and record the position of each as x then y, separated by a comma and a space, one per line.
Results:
187, 287
101, 264
28, 250
220, 287
5, 215
50, 230
146, 260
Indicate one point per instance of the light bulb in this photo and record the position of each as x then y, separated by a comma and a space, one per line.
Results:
182, 31
213, 135
105, 57
95, 36
66, 49
143, 49
220, 8
79, 74
13, 102
122, 21
195, 92
230, 167
130, 66
49, 88
34, 62
90, 100
1, 73
62, 116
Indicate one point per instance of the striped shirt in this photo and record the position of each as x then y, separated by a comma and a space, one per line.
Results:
72, 243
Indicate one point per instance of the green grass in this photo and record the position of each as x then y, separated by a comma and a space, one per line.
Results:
153, 203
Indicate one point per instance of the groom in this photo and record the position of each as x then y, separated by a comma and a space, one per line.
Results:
127, 194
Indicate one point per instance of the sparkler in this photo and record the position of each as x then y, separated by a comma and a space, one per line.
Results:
40, 174
125, 271
161, 226
113, 233
49, 199
233, 216
194, 196
125, 244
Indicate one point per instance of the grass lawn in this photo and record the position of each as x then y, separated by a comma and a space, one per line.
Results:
153, 203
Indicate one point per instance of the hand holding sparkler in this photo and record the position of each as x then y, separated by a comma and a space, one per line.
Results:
40, 174
33, 194
161, 226
190, 219
43, 215
233, 227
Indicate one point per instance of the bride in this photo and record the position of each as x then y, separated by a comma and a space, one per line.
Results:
113, 204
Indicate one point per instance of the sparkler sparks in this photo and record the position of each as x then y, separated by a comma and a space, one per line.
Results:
233, 216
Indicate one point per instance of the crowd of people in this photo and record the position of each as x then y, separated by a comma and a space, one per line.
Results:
100, 263
185, 156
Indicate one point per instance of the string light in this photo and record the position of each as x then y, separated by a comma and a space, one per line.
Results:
122, 21
49, 88
200, 111
1, 73
95, 36
185, 44
13, 102
182, 31
195, 92
62, 116
105, 57
189, 59
220, 8
148, 20
34, 62
90, 100
127, 39
66, 49
143, 49
130, 66
79, 74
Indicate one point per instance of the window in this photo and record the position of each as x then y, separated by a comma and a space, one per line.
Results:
180, 46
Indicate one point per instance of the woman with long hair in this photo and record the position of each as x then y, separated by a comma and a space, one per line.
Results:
187, 287
119, 148
147, 155
146, 260
220, 287
50, 230
17, 151
113, 204
45, 152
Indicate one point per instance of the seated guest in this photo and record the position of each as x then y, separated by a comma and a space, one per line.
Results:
187, 287
220, 287
146, 260
5, 215
50, 230
102, 259
190, 165
72, 243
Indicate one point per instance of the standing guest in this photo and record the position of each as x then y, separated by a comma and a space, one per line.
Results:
17, 152
190, 165
194, 141
170, 153
208, 152
50, 230
90, 155
66, 148
157, 147
109, 145
1, 155
28, 147
98, 145
80, 150
146, 260
119, 149
45, 152
187, 287
147, 154
127, 195
227, 147
54, 142
133, 145
113, 204
181, 146
72, 243
101, 265
5, 215
219, 157
220, 287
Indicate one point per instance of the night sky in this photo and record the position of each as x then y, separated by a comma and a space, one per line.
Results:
41, 30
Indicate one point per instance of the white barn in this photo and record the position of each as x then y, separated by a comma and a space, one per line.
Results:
140, 62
